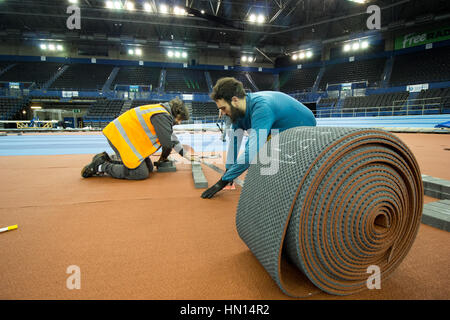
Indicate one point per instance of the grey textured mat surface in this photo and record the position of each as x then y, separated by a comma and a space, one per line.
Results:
331, 203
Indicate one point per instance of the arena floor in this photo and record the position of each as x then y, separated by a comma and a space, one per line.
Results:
157, 239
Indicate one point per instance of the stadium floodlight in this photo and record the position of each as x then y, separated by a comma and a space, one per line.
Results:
147, 7
294, 57
301, 55
244, 58
347, 48
170, 54
59, 47
43, 46
184, 55
117, 5
51, 47
163, 9
130, 51
202, 11
109, 4
365, 44
309, 54
138, 52
179, 11
130, 6
358, 1
73, 1
355, 46
261, 18
252, 18
177, 54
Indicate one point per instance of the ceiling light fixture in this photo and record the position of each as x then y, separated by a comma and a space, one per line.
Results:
147, 7
130, 6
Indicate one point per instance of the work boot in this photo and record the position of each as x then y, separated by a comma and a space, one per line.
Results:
104, 155
92, 168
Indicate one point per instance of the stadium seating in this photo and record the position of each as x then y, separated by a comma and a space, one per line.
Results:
37, 72
11, 106
83, 77
185, 81
421, 67
137, 75
298, 80
264, 81
239, 75
138, 103
105, 109
434, 98
327, 102
4, 64
204, 109
363, 70
377, 104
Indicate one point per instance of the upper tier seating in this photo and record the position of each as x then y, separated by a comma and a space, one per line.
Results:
185, 81
264, 81
431, 65
298, 79
83, 77
363, 70
37, 72
137, 75
239, 75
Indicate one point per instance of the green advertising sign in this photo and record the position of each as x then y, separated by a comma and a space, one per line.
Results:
420, 38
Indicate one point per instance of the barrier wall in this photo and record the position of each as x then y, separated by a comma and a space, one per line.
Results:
419, 121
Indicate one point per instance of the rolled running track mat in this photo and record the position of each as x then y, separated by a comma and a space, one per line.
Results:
339, 201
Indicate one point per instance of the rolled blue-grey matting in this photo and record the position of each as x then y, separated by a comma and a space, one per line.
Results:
330, 204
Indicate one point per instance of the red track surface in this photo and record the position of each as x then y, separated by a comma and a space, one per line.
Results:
157, 239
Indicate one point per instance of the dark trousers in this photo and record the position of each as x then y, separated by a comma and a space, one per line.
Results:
118, 170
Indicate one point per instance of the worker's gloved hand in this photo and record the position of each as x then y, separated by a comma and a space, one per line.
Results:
214, 189
161, 160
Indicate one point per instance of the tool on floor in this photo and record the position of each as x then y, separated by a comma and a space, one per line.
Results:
8, 228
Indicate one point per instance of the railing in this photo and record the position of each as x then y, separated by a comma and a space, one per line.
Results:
411, 109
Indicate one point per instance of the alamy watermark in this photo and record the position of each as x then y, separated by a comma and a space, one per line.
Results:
374, 280
74, 20
74, 280
374, 21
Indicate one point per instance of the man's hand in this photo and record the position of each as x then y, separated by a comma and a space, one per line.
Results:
214, 189
161, 160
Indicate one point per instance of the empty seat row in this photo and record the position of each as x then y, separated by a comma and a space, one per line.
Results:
298, 80
83, 77
431, 65
185, 81
356, 71
137, 75
36, 72
103, 108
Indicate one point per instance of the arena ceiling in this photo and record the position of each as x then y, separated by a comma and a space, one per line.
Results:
223, 24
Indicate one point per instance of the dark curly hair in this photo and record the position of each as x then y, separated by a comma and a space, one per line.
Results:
177, 107
227, 88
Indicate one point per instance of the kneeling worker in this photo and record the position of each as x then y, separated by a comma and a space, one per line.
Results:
137, 134
260, 111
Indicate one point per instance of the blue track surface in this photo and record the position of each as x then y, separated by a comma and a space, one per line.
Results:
13, 145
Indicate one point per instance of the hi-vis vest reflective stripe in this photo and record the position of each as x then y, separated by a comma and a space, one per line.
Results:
133, 134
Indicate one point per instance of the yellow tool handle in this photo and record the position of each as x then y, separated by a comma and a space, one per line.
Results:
9, 228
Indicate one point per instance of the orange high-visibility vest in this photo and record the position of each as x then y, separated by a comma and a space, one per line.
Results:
133, 134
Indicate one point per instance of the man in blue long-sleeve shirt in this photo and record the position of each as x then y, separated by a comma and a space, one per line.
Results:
260, 111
